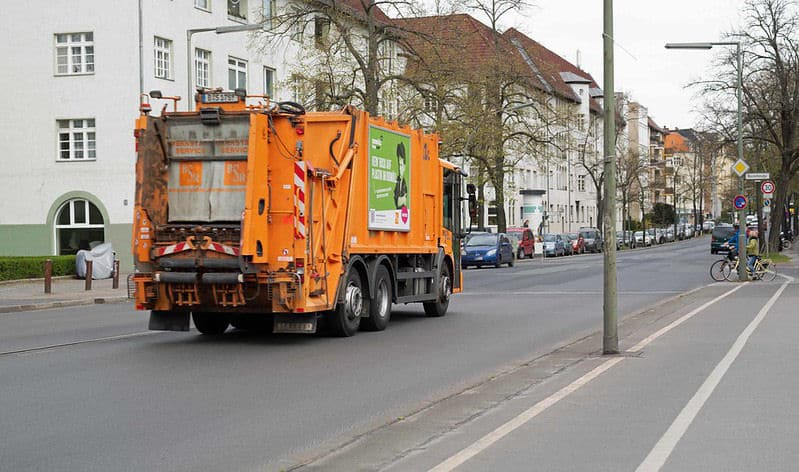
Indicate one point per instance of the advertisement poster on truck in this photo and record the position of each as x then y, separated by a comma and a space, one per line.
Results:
389, 180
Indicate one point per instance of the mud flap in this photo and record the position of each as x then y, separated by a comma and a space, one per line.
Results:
295, 323
169, 320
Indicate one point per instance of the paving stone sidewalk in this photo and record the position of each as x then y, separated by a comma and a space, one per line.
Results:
25, 295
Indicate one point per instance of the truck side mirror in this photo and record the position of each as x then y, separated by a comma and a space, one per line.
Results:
472, 206
471, 190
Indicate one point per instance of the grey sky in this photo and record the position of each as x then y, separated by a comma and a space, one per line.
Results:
655, 77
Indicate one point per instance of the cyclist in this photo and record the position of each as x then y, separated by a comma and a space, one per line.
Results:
732, 243
753, 252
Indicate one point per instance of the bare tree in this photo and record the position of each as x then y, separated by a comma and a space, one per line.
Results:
771, 92
351, 56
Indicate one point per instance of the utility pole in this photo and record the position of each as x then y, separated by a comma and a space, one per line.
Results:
610, 338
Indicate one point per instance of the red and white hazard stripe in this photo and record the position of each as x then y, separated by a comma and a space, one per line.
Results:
229, 250
299, 200
173, 249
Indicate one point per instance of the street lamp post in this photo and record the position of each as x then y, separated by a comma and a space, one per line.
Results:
741, 217
217, 30
674, 195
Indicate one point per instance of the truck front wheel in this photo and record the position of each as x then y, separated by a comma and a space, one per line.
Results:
439, 307
346, 318
210, 323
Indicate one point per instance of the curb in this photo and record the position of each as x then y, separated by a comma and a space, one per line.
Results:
62, 303
39, 280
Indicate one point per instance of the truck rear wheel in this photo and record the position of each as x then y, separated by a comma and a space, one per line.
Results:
210, 323
380, 305
439, 307
346, 318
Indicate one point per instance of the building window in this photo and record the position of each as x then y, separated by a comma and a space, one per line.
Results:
430, 104
297, 88
297, 31
162, 53
269, 12
203, 4
202, 67
269, 82
74, 53
76, 140
492, 213
236, 73
581, 183
321, 30
78, 225
237, 9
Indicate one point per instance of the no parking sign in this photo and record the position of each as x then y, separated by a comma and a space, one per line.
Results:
739, 202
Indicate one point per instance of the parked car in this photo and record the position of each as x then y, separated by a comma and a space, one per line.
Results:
708, 226
526, 242
720, 235
593, 239
553, 245
629, 239
487, 249
578, 242
668, 235
568, 248
643, 239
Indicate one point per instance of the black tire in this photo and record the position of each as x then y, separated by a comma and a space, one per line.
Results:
769, 272
520, 254
346, 318
380, 305
717, 270
210, 323
512, 261
439, 307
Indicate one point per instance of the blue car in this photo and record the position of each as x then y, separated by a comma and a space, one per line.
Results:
487, 249
554, 245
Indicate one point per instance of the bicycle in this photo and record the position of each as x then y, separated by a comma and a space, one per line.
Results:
719, 270
765, 269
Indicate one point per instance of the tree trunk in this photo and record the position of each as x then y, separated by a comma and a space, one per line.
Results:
777, 208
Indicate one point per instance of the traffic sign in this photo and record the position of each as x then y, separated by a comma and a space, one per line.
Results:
740, 167
767, 202
768, 196
767, 186
739, 202
766, 209
757, 176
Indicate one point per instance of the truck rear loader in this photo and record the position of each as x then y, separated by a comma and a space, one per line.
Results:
268, 216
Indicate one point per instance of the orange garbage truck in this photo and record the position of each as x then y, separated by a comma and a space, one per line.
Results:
269, 216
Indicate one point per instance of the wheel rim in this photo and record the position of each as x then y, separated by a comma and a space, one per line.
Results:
446, 288
382, 298
354, 301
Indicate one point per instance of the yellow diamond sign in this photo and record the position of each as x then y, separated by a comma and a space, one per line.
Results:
740, 167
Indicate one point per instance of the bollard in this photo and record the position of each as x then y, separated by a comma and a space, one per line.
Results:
88, 275
48, 276
115, 283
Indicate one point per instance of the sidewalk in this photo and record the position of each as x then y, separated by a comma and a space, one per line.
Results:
700, 385
25, 295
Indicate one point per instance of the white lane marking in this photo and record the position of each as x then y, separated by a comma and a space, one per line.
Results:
680, 320
494, 436
486, 441
575, 292
659, 454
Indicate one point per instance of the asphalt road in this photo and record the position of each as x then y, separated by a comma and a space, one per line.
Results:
88, 388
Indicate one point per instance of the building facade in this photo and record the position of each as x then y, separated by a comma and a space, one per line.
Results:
80, 69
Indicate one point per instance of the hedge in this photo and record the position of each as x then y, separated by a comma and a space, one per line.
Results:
14, 268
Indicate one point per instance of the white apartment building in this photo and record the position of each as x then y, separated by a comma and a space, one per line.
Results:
75, 73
